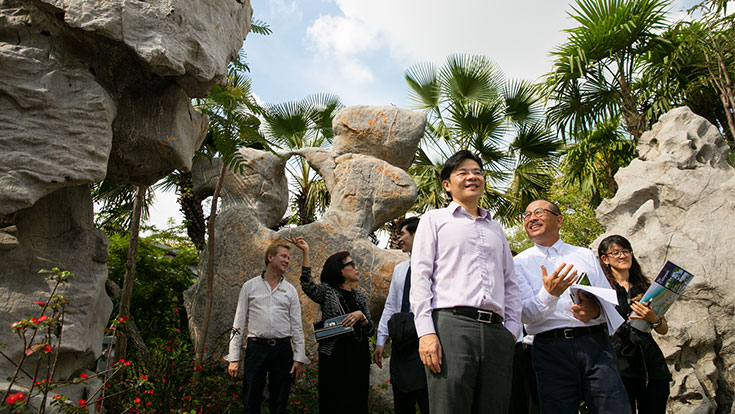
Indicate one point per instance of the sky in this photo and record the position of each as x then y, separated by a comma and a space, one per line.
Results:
360, 49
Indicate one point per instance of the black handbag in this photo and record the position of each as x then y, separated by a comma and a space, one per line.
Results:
329, 328
332, 327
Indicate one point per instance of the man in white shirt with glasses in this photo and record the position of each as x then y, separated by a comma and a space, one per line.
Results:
572, 355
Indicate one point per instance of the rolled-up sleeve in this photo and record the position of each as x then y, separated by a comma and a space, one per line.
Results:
423, 257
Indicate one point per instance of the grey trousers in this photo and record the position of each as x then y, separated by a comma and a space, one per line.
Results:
476, 369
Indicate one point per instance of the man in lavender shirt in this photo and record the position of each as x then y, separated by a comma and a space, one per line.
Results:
464, 294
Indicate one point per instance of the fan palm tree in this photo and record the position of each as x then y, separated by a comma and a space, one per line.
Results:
300, 124
469, 105
592, 161
594, 76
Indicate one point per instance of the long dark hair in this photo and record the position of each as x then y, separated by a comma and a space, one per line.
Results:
636, 277
332, 270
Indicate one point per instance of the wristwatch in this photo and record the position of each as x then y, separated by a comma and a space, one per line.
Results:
657, 324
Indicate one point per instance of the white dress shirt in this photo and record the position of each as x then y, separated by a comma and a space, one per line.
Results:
394, 300
268, 314
458, 260
542, 311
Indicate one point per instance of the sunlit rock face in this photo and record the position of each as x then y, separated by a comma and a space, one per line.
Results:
675, 203
365, 173
93, 90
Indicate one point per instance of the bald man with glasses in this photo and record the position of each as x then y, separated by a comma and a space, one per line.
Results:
572, 354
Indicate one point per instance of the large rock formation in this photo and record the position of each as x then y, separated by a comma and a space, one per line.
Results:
674, 203
93, 90
368, 186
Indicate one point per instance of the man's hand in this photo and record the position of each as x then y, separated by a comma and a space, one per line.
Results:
587, 309
233, 368
378, 355
430, 351
557, 282
297, 370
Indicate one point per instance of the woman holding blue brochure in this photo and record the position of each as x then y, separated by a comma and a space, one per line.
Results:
640, 361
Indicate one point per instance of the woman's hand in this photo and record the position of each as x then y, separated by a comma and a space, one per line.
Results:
303, 246
355, 317
643, 311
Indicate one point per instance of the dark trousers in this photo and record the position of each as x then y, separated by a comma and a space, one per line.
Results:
275, 362
476, 367
344, 377
523, 395
405, 402
582, 368
648, 399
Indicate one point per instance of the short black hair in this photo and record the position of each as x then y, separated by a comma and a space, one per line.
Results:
410, 223
332, 269
452, 162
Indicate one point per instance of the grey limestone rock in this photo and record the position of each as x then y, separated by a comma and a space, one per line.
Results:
97, 90
365, 191
674, 203
58, 231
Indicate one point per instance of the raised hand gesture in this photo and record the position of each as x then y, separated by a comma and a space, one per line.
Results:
557, 282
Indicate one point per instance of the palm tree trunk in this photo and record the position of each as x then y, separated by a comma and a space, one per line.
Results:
129, 280
202, 336
191, 207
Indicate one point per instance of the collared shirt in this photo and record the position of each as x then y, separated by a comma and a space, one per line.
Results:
394, 300
458, 260
268, 314
541, 310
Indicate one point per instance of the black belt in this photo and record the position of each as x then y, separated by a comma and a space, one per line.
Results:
269, 341
480, 315
570, 333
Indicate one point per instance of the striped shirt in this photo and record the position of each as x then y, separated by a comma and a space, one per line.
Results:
268, 314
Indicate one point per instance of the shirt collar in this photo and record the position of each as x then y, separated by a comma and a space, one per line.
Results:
553, 250
455, 207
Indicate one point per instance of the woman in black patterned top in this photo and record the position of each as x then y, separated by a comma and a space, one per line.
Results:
344, 361
640, 361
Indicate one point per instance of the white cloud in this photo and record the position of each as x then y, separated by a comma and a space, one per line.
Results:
341, 36
516, 35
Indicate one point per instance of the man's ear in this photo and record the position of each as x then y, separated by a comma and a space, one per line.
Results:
270, 258
445, 184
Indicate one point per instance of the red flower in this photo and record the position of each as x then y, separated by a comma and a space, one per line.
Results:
82, 402
137, 401
17, 397
127, 363
176, 309
83, 376
47, 349
42, 318
148, 403
40, 303
144, 378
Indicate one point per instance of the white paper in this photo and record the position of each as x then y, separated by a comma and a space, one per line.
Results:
608, 299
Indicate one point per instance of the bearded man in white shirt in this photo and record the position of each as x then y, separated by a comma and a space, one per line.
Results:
572, 355
270, 307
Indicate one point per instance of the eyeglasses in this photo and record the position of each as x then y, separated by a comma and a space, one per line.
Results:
350, 263
538, 213
619, 253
